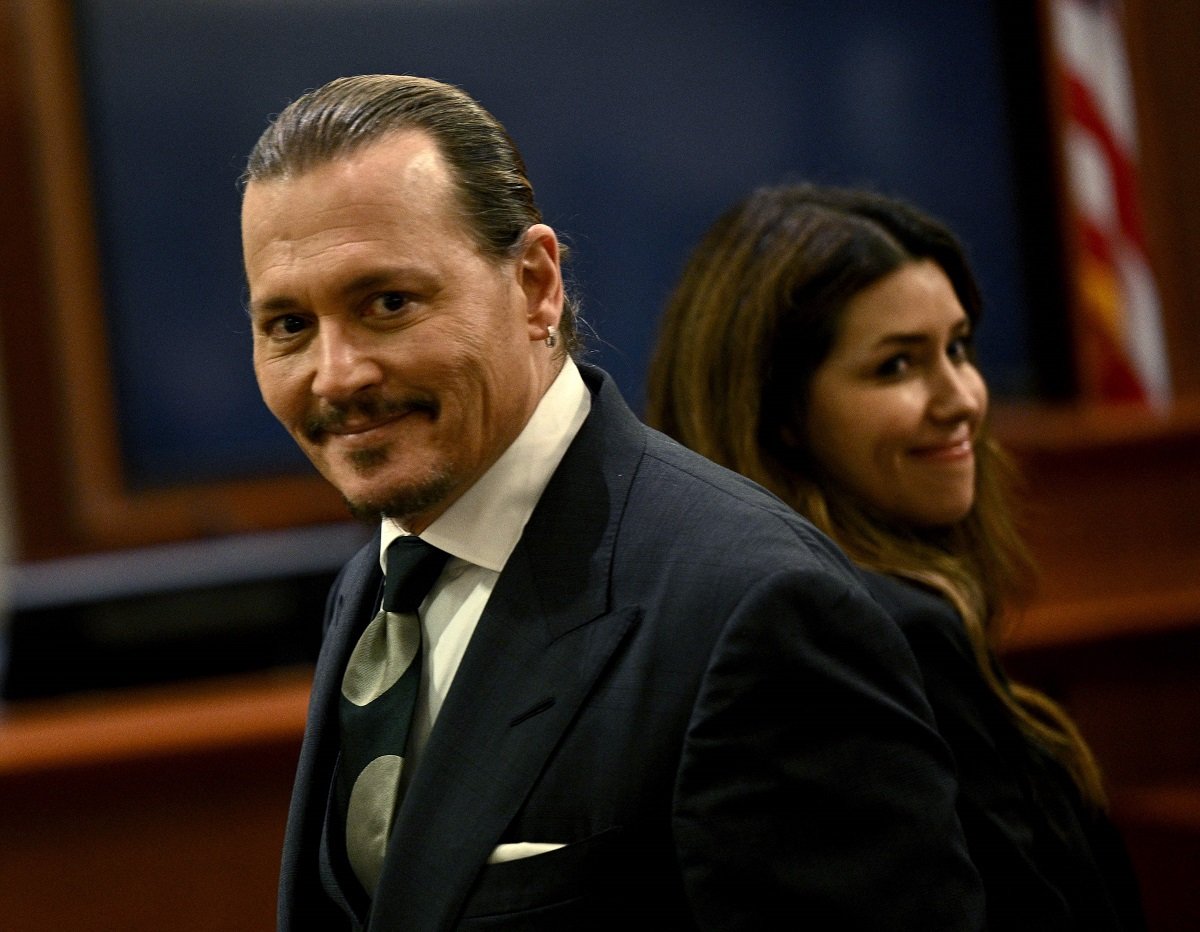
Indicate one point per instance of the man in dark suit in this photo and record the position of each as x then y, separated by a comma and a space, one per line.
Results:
646, 693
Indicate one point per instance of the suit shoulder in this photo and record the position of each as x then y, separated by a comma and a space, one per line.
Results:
680, 498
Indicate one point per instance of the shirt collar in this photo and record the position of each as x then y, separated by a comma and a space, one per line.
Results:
484, 524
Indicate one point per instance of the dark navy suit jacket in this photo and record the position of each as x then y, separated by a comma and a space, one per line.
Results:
688, 686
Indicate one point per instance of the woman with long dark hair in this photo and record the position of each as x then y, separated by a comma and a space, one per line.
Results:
819, 342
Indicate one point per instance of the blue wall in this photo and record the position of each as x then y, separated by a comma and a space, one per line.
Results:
640, 122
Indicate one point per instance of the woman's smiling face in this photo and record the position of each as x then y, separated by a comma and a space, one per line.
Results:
895, 408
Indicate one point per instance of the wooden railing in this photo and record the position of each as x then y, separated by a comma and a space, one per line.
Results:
1112, 502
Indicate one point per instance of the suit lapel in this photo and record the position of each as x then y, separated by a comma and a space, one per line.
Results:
354, 592
545, 636
358, 589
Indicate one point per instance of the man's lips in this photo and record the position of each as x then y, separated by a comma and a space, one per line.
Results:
351, 428
363, 419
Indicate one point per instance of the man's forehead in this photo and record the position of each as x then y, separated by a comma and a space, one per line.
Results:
405, 154
406, 170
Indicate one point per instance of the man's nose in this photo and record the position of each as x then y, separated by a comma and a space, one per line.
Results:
345, 363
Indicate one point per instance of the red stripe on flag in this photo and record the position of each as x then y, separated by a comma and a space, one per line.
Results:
1094, 241
1082, 110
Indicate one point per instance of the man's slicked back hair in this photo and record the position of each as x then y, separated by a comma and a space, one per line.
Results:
347, 114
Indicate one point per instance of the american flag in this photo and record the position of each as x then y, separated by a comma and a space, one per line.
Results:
1121, 350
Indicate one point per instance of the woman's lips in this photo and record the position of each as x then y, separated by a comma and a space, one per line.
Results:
950, 452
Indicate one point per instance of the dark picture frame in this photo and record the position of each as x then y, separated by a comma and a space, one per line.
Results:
97, 506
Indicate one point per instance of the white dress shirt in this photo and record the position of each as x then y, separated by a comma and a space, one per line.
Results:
480, 531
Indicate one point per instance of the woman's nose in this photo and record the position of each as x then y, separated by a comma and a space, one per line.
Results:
958, 391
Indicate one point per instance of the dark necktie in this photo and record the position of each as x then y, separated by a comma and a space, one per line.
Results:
379, 693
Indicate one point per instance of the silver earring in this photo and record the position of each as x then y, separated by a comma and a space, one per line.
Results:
551, 337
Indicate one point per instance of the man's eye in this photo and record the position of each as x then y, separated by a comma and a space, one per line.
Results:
392, 302
286, 326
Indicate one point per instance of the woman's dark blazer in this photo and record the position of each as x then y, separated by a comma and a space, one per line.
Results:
1048, 860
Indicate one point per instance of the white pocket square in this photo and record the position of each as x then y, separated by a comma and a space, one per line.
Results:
520, 849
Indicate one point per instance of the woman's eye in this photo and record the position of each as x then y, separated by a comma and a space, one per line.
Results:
894, 366
960, 349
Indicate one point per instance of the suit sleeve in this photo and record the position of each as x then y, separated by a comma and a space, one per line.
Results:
813, 788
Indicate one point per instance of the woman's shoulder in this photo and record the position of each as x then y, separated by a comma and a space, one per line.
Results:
892, 591
1039, 848
924, 615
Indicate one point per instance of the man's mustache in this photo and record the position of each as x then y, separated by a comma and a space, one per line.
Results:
336, 416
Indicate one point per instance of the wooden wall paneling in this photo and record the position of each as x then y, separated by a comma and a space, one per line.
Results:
1161, 826
149, 810
1111, 509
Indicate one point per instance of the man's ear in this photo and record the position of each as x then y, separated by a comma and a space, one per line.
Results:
540, 275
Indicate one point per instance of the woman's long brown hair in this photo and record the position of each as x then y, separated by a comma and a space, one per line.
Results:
754, 314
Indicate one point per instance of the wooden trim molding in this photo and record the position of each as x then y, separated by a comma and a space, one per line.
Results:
155, 723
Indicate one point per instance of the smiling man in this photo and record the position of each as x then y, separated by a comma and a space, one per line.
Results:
627, 688
401, 357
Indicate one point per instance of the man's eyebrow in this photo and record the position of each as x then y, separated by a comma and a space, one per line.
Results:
359, 284
369, 280
271, 306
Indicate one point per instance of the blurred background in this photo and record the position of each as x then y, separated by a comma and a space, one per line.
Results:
166, 550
